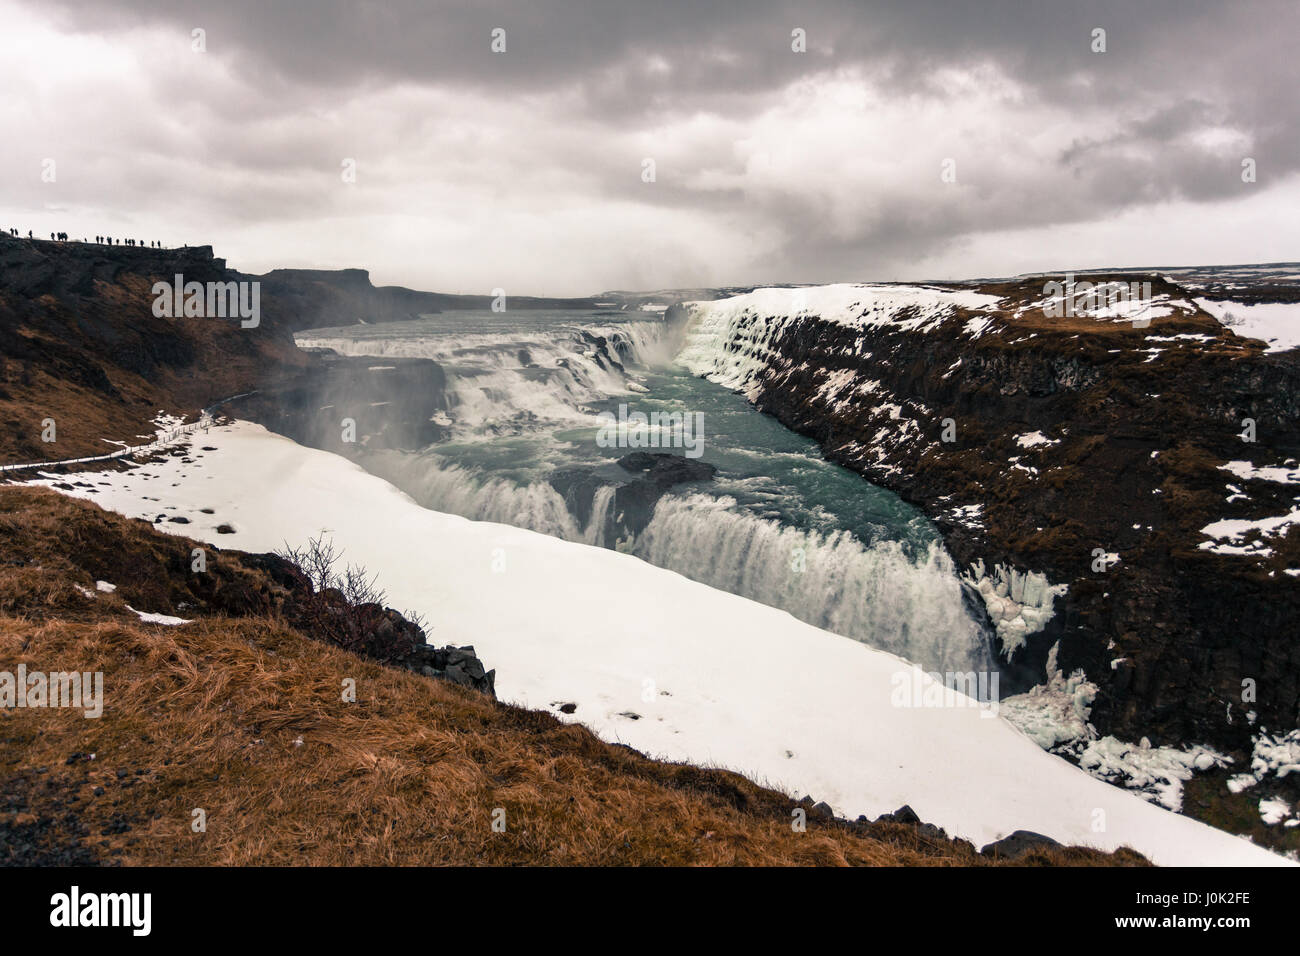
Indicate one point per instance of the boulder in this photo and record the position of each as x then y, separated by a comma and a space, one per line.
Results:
1017, 844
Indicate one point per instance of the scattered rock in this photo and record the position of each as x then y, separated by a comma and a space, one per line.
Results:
817, 810
459, 665
903, 814
932, 831
1017, 844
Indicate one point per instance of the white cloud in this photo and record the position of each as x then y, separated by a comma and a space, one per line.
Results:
832, 175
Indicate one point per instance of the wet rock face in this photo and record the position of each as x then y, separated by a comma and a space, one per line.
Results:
665, 469
656, 474
391, 402
652, 475
1130, 467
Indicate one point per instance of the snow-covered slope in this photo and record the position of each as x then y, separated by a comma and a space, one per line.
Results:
651, 659
756, 318
1277, 323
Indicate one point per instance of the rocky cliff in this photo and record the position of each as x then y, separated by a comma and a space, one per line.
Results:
81, 346
1081, 467
323, 298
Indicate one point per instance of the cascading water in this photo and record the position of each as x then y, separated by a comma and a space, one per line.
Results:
878, 595
601, 502
778, 524
517, 376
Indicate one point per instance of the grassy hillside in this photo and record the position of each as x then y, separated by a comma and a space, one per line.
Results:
241, 715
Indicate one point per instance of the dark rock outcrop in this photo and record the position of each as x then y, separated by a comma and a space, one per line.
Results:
665, 469
389, 402
1132, 467
459, 665
321, 298
634, 499
369, 629
903, 814
656, 473
1017, 844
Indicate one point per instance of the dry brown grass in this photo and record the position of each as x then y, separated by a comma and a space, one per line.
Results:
83, 417
102, 365
244, 718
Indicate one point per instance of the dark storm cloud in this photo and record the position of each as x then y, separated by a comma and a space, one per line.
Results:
1042, 128
741, 46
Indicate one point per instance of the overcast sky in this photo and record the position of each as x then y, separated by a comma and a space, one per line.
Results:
525, 169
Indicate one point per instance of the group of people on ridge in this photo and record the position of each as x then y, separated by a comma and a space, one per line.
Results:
102, 240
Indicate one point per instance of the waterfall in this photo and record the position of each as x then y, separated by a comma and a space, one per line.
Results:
600, 505
876, 593
510, 382
446, 487
537, 377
